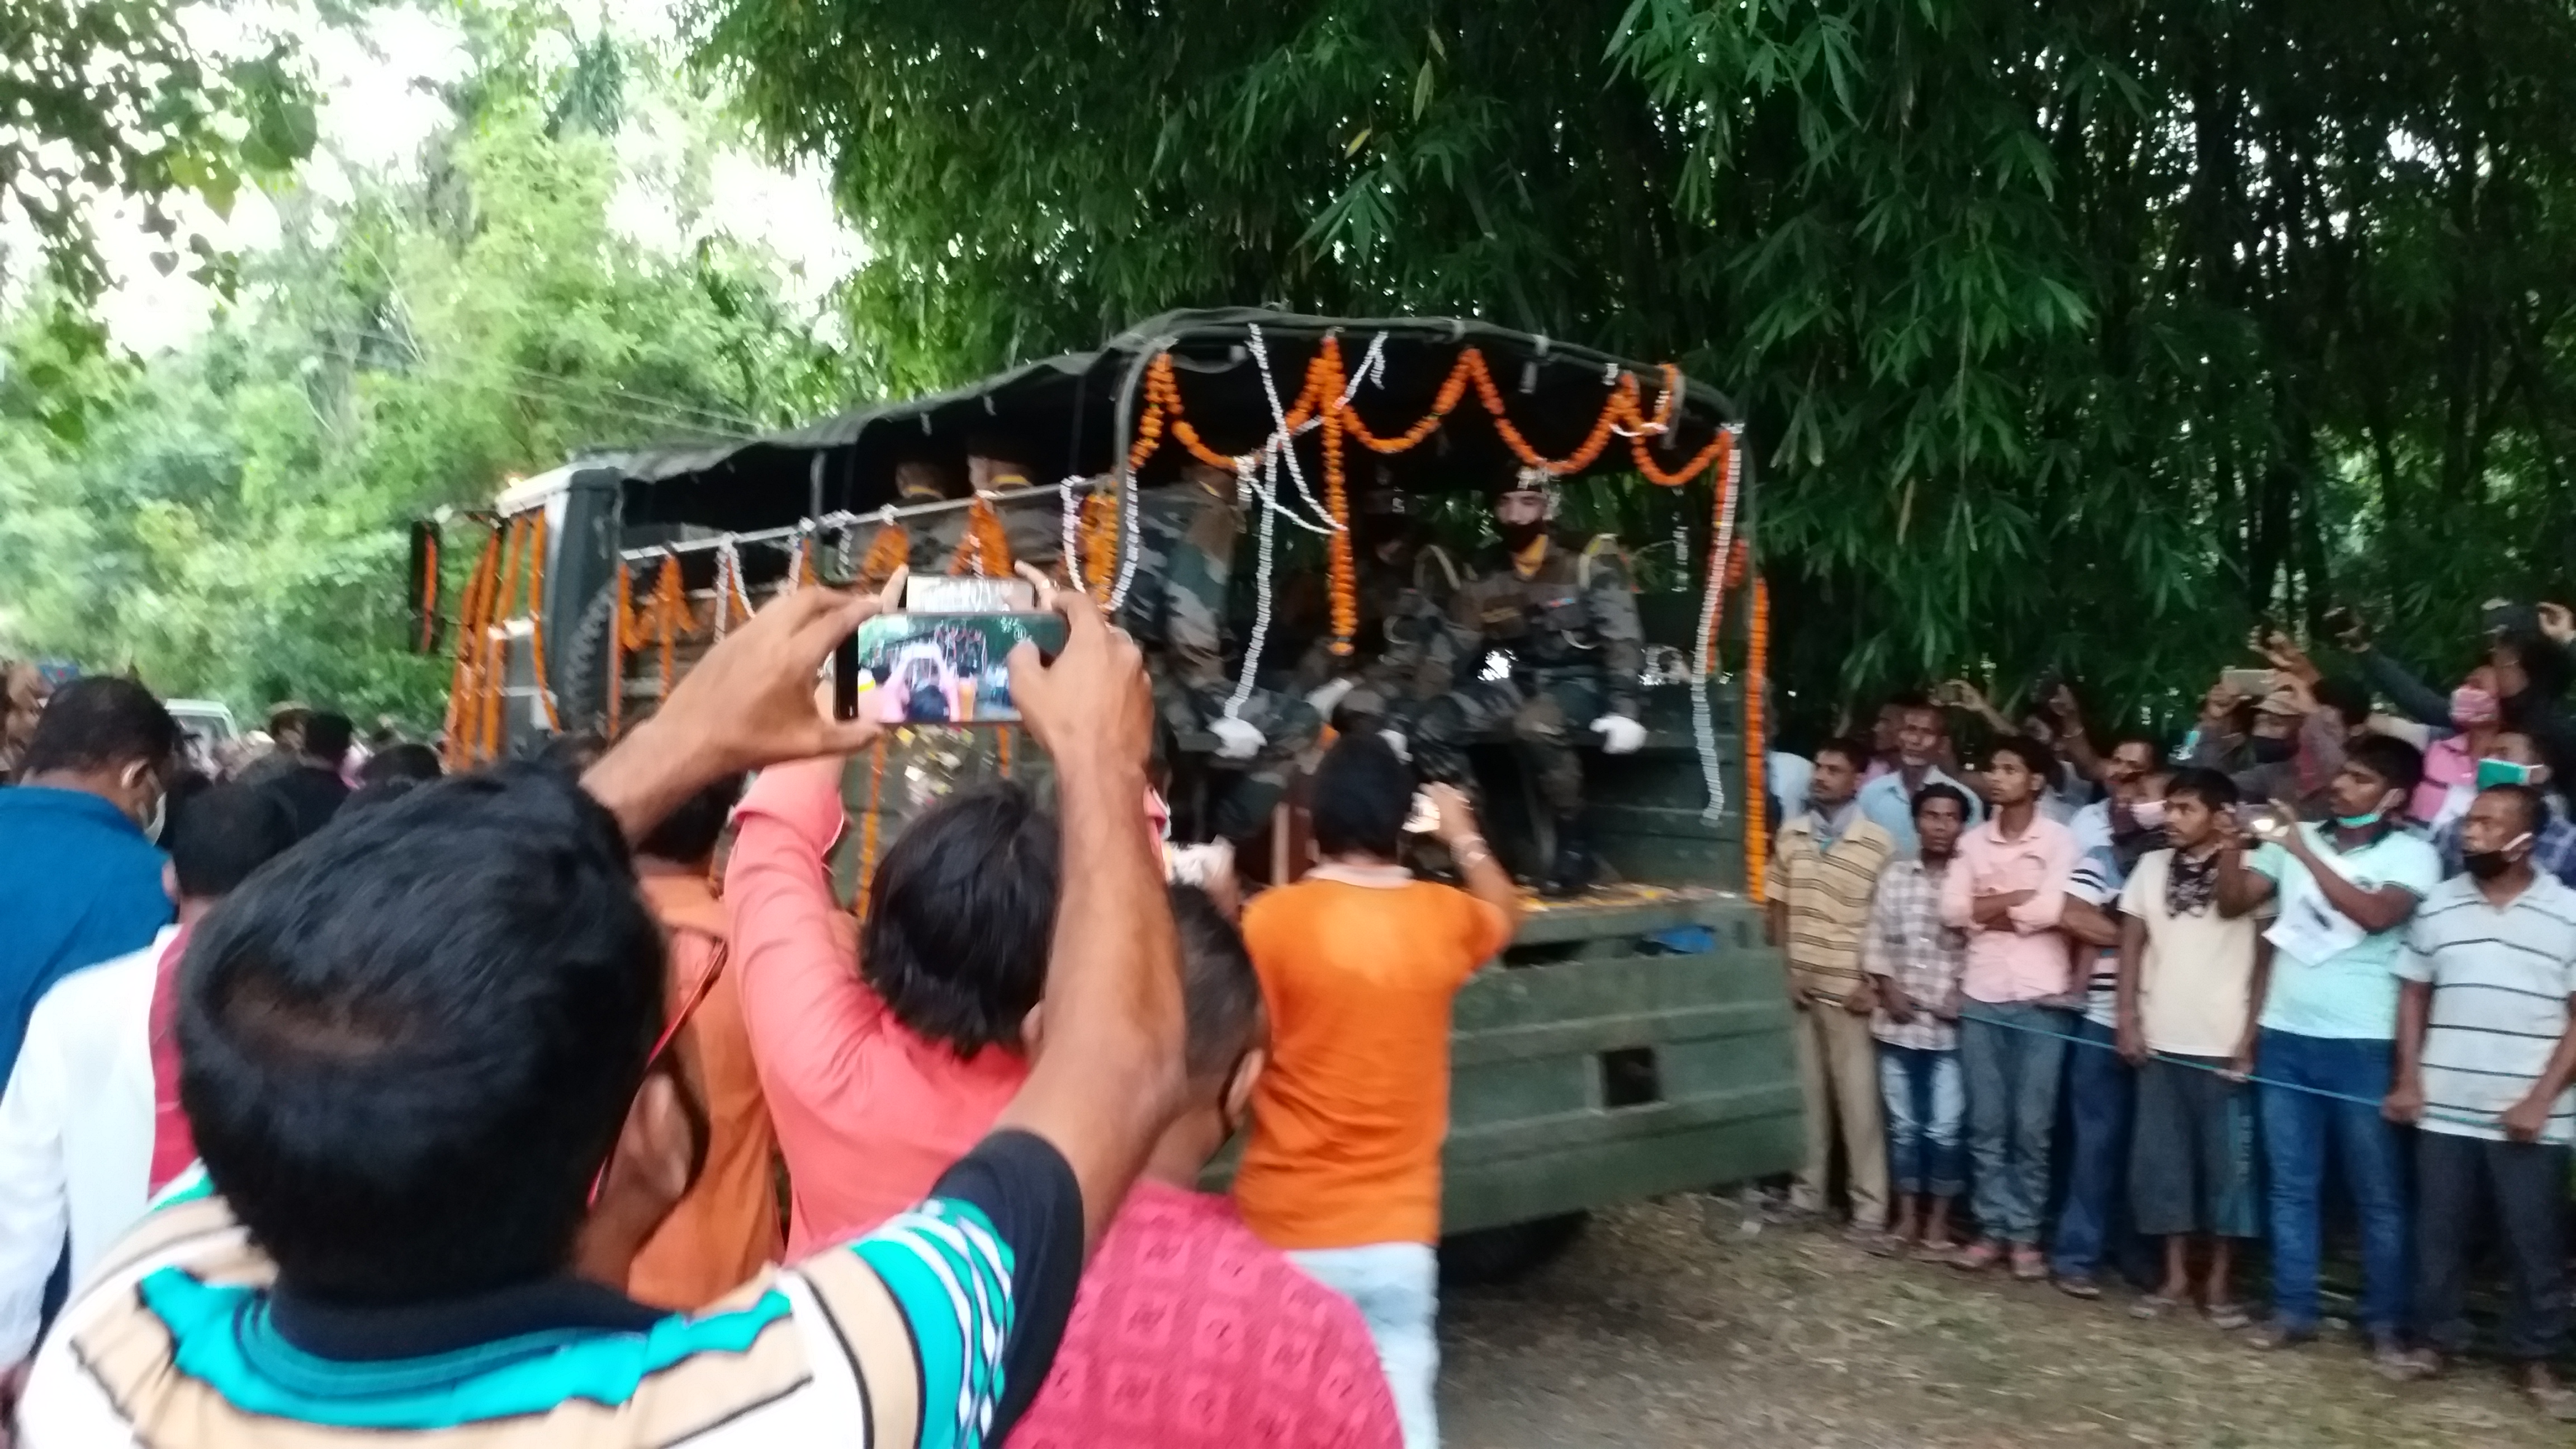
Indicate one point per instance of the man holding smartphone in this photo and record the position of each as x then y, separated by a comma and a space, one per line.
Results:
2329, 1024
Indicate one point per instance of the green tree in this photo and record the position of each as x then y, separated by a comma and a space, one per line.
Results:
235, 523
2083, 333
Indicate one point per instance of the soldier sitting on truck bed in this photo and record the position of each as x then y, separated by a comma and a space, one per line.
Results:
1406, 652
1564, 615
1032, 518
1176, 609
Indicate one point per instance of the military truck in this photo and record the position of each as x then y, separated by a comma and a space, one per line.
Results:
1636, 1040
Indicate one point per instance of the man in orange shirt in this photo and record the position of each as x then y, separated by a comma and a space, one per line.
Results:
1359, 963
725, 1230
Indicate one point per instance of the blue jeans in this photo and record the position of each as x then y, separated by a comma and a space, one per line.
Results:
1925, 1101
2101, 1093
2296, 1128
1397, 1289
2013, 1054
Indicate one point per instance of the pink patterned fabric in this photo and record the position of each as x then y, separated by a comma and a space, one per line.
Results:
1191, 1333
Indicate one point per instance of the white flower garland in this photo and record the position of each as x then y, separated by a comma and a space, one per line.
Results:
1704, 662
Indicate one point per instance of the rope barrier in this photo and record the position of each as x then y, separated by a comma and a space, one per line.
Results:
1968, 1012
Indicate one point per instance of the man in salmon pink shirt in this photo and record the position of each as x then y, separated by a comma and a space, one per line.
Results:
2007, 891
1189, 1332
885, 1052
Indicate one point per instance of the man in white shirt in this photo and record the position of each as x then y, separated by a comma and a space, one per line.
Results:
76, 1123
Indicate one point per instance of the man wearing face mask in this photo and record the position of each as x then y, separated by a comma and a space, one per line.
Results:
2511, 758
2345, 891
2486, 1048
2130, 822
80, 877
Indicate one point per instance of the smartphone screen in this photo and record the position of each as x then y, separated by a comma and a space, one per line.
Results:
950, 669
2249, 683
939, 594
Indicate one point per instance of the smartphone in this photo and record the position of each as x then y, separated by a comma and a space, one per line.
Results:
2266, 823
940, 669
939, 594
2504, 618
2248, 683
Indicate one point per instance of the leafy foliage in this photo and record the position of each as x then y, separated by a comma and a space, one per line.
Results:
2082, 333
235, 524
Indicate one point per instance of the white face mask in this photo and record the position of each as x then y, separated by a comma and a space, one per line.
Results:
160, 817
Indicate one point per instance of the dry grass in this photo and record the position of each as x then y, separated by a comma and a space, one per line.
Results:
1654, 1331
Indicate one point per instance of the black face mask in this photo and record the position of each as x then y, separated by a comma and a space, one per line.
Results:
2486, 864
1518, 536
2269, 751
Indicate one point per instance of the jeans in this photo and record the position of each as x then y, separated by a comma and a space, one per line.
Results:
2101, 1095
1925, 1100
2524, 1184
2296, 1128
1397, 1288
2012, 1054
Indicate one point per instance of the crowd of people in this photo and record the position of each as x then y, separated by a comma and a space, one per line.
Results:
2120, 1010
516, 1106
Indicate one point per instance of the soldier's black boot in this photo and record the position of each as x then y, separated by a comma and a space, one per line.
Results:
1572, 872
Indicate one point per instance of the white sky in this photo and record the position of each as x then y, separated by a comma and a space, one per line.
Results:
379, 105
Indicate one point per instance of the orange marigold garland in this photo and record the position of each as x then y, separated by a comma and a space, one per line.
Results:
984, 550
537, 620
464, 701
868, 830
620, 623
1100, 543
1757, 659
886, 553
495, 644
1345, 588
670, 616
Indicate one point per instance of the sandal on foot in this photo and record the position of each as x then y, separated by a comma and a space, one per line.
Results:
2228, 1317
2153, 1306
2075, 1286
1936, 1251
1978, 1256
2029, 1265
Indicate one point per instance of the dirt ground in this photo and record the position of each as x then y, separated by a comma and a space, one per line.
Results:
1665, 1325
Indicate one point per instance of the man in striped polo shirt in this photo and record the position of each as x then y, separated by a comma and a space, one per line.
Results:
2486, 1045
1819, 891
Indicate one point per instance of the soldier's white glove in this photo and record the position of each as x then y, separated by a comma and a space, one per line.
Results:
1395, 741
1236, 739
1329, 698
1619, 734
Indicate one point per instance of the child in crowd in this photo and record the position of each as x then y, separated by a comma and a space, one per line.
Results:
1916, 960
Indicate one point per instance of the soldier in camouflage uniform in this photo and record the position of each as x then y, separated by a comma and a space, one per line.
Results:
1176, 609
1564, 612
1032, 518
1406, 653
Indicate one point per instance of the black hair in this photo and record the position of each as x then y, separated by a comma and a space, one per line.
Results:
376, 793
2398, 764
2155, 747
1855, 753
100, 722
1219, 991
572, 753
2535, 809
1909, 699
2212, 788
1939, 791
2348, 698
689, 834
407, 1047
327, 737
223, 833
961, 915
2034, 756
1360, 797
401, 762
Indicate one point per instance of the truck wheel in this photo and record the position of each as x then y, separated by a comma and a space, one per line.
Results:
581, 670
1486, 1256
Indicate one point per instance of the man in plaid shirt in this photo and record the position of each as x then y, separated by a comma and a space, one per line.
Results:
2553, 850
1917, 962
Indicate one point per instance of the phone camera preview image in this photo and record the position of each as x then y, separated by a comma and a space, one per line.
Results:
946, 669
